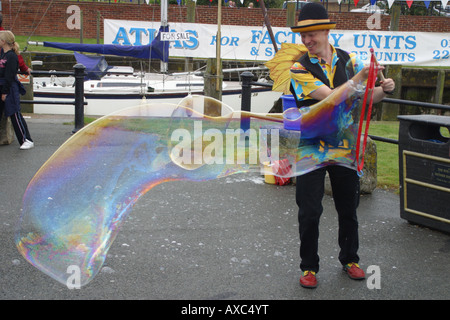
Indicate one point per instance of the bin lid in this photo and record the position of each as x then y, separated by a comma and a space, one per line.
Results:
427, 118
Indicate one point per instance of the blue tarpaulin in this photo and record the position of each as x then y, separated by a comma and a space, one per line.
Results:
156, 50
96, 66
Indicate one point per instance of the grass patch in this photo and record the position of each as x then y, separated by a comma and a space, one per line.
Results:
387, 154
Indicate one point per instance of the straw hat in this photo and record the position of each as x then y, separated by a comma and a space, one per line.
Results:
313, 16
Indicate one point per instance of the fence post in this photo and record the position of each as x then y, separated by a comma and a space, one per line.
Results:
79, 96
246, 100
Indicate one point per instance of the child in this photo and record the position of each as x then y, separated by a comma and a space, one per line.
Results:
10, 88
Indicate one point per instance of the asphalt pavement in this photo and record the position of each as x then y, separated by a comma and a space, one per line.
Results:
234, 238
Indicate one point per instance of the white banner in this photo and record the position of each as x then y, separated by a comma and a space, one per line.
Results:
254, 43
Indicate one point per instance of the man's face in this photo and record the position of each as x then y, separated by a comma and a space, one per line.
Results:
316, 41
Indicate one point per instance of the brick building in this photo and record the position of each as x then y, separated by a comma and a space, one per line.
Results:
49, 18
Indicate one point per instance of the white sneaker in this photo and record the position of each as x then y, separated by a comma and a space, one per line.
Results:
27, 145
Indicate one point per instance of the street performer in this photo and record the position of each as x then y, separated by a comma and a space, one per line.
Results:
313, 78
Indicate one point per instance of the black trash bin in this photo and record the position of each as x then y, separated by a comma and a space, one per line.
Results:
424, 162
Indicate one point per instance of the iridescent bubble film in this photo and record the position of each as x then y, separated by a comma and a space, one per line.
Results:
75, 204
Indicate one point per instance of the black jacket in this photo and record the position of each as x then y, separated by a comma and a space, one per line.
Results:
9, 84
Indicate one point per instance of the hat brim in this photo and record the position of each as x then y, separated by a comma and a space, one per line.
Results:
314, 26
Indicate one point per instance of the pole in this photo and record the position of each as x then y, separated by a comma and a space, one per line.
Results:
164, 23
389, 112
246, 100
269, 27
81, 26
218, 43
246, 105
79, 96
98, 27
190, 17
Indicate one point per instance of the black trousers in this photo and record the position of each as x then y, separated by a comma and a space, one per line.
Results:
310, 189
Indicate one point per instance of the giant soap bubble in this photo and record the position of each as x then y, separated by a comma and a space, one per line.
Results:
75, 204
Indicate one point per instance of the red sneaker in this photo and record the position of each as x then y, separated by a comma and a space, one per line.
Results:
308, 279
354, 271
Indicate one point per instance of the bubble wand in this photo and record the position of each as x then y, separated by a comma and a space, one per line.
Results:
373, 70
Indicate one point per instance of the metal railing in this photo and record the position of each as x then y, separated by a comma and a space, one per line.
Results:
247, 84
78, 73
409, 103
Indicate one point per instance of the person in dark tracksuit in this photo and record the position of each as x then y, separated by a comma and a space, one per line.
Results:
313, 78
22, 65
11, 88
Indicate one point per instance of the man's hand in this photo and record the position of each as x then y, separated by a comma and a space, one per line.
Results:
388, 86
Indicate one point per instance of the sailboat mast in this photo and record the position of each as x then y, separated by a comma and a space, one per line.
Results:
164, 23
